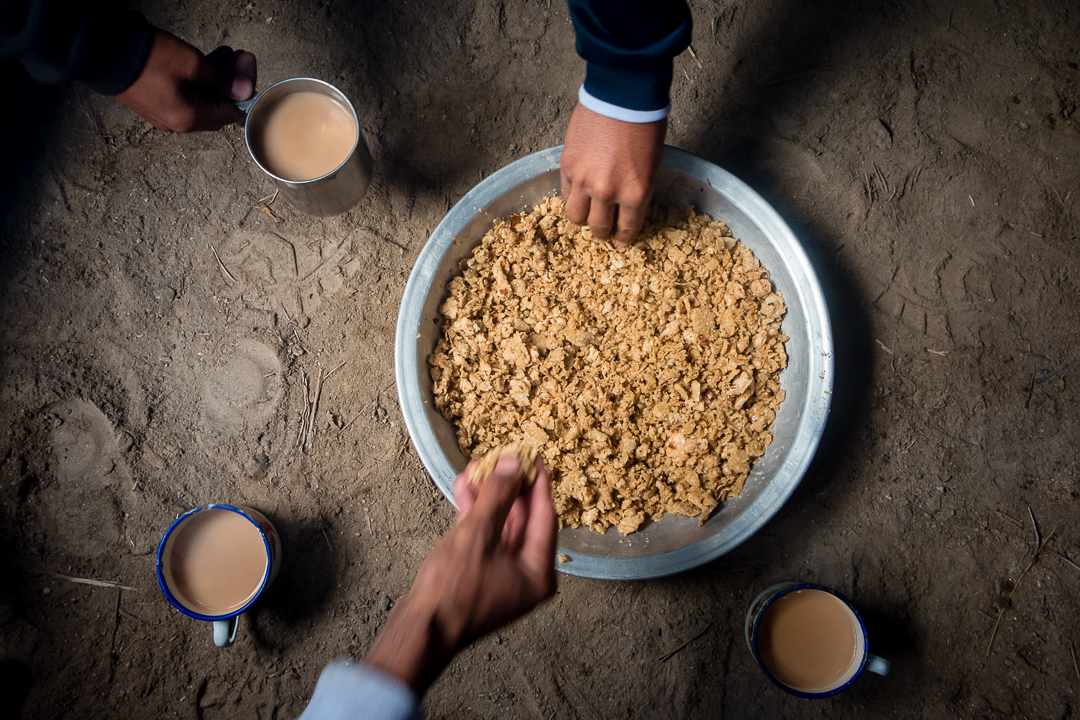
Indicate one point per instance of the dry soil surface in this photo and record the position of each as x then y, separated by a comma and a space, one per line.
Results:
928, 156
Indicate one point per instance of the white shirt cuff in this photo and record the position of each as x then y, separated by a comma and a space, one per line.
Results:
353, 691
615, 112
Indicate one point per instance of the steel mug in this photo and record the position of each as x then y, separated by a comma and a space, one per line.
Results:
333, 193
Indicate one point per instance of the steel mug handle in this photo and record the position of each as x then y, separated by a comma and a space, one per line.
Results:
225, 632
244, 106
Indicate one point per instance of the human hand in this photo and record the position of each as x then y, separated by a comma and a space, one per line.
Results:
495, 565
182, 90
608, 168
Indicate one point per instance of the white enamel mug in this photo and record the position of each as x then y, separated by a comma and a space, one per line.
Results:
862, 658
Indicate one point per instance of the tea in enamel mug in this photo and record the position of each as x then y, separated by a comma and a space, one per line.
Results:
215, 561
809, 640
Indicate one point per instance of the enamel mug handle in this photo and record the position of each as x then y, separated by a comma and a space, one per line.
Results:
875, 664
225, 633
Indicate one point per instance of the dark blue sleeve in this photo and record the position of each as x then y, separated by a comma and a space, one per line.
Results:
58, 41
629, 47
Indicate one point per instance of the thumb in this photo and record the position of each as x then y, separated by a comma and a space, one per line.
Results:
244, 65
497, 493
214, 114
213, 78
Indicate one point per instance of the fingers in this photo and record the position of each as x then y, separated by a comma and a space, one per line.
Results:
244, 64
213, 76
222, 77
241, 87
538, 548
630, 220
582, 206
575, 201
221, 57
513, 532
234, 73
601, 217
465, 492
212, 114
496, 496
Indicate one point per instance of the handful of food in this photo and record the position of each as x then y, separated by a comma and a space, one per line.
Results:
526, 455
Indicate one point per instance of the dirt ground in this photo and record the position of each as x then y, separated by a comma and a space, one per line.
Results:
927, 154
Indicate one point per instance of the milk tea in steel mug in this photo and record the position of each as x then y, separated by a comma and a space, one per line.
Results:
809, 640
215, 561
305, 135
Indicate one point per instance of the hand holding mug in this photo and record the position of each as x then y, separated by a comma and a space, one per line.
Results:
182, 90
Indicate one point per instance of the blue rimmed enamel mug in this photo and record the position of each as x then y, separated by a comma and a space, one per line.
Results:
224, 623
863, 659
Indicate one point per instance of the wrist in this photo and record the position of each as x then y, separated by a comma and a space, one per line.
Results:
412, 646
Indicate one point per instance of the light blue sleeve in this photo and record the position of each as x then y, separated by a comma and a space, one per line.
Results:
352, 691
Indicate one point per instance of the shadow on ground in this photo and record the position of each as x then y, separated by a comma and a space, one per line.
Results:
33, 126
302, 588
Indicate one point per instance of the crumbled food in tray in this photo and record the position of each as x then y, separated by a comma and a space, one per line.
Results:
526, 455
647, 378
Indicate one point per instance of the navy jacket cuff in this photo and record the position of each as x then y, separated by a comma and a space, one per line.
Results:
635, 89
58, 41
119, 44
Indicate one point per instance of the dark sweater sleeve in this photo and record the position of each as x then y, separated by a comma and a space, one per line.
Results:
58, 41
629, 47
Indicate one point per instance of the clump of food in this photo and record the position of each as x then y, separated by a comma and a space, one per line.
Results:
648, 378
526, 455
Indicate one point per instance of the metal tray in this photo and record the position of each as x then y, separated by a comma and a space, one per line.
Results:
676, 543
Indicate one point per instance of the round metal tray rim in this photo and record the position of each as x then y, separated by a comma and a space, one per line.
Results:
810, 296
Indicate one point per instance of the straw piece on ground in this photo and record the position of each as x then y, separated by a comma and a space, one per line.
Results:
221, 264
526, 455
667, 656
85, 581
1001, 613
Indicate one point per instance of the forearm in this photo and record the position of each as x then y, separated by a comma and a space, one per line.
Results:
412, 646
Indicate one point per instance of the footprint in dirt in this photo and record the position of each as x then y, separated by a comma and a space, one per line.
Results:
245, 392
80, 506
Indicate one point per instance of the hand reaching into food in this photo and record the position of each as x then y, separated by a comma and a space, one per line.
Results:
608, 168
615, 139
495, 565
182, 90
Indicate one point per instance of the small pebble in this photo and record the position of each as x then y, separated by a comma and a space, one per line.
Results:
46, 591
124, 441
384, 603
